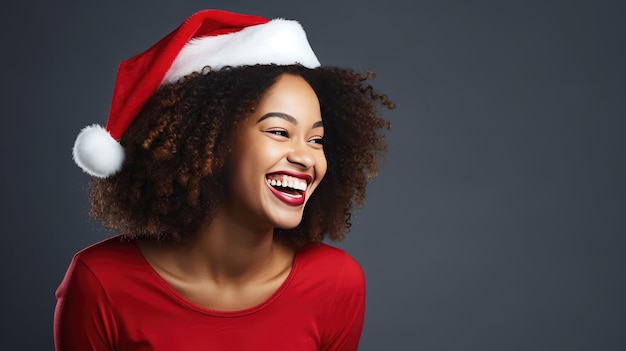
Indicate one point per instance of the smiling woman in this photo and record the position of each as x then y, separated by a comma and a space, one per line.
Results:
280, 143
226, 160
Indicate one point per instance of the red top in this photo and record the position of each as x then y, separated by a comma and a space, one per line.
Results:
112, 299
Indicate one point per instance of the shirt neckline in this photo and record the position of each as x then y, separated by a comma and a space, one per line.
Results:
176, 295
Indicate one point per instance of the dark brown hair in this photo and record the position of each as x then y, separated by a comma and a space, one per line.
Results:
177, 148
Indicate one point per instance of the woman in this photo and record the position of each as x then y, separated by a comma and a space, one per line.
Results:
228, 156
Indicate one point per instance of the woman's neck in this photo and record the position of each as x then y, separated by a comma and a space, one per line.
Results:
226, 253
228, 250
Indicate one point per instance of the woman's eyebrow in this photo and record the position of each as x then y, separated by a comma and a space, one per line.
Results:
288, 118
284, 116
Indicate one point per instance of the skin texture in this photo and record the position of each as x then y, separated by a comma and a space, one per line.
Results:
233, 262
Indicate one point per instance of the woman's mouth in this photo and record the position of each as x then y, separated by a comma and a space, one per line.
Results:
289, 189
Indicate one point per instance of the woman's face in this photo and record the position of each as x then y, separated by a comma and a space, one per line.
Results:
278, 156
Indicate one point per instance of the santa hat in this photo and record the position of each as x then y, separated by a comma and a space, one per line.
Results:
211, 38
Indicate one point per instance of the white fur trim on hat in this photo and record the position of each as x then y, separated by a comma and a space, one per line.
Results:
279, 41
97, 153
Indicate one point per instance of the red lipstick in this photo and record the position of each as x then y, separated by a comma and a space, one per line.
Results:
294, 197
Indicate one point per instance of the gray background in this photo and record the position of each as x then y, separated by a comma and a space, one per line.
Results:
497, 222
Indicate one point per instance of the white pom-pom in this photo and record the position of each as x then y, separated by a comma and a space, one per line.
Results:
97, 153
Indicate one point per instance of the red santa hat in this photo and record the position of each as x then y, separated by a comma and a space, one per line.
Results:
211, 38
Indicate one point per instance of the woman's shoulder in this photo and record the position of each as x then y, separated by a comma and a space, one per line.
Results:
330, 263
114, 246
109, 263
334, 284
109, 256
320, 251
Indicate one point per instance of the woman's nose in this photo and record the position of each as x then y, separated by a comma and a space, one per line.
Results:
302, 155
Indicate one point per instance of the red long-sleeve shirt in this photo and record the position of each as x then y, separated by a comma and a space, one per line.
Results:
112, 299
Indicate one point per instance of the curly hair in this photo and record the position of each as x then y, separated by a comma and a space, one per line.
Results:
176, 150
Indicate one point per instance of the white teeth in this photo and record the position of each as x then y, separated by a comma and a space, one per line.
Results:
290, 182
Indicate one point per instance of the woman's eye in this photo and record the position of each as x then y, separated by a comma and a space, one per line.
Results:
319, 141
282, 133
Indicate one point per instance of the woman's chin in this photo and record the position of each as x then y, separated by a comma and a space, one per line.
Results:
287, 223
